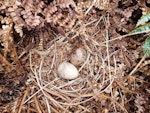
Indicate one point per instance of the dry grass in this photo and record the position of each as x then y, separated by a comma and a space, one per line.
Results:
101, 85
94, 83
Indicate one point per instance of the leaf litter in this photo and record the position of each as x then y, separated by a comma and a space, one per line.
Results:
31, 52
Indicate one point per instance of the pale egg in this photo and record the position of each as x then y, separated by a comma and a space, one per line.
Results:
78, 56
67, 71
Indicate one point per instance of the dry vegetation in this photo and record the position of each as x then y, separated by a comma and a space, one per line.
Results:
37, 35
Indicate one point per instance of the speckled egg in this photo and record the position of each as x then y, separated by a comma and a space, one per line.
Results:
78, 56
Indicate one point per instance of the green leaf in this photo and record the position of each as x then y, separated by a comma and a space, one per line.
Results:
143, 28
143, 19
146, 46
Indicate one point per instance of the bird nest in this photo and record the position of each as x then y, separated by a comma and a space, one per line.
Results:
51, 39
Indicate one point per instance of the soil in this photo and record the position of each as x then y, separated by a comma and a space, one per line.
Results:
29, 82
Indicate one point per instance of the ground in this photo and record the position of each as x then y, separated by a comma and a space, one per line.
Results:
36, 36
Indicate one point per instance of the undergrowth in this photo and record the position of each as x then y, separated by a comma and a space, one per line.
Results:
143, 25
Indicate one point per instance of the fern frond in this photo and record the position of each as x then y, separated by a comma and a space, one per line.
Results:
143, 19
146, 46
143, 28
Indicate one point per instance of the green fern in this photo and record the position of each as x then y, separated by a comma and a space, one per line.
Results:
145, 27
146, 47
143, 19
142, 26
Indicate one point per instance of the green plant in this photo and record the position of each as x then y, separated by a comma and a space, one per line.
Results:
143, 27
142, 24
146, 47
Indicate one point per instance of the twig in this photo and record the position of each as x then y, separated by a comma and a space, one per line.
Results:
120, 37
90, 7
125, 89
39, 91
32, 110
137, 65
103, 96
23, 99
37, 104
3, 60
